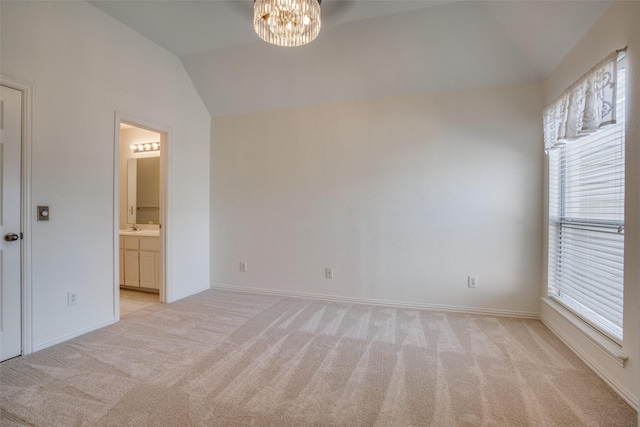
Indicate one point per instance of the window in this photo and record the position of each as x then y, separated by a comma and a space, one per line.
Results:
586, 223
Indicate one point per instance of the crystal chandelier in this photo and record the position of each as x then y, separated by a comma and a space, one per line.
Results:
287, 22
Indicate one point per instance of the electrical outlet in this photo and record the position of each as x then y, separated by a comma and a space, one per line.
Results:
328, 273
72, 298
243, 266
472, 281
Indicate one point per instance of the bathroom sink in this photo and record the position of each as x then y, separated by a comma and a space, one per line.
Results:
151, 233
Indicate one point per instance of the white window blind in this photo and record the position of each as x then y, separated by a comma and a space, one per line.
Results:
586, 229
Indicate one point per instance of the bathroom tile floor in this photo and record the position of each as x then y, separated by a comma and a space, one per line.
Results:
131, 301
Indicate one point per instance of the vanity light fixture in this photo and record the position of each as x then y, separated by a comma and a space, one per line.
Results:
145, 147
287, 22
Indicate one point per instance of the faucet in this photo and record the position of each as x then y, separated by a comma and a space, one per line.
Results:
135, 227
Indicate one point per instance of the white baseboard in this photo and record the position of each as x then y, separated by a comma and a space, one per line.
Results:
399, 304
62, 338
188, 293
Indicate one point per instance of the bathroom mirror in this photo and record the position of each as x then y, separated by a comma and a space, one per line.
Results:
143, 190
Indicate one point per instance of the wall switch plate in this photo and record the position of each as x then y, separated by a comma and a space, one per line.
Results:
472, 281
43, 213
72, 298
328, 273
243, 266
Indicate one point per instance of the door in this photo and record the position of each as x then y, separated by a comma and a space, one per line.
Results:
131, 268
148, 270
10, 236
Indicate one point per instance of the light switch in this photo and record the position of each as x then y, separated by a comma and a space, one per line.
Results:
43, 213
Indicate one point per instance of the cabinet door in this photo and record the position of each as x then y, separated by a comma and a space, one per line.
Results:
148, 270
131, 269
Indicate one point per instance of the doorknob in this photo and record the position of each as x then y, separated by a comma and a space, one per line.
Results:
11, 237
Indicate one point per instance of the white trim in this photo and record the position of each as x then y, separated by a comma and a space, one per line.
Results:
609, 347
116, 218
387, 303
25, 192
166, 291
165, 226
190, 292
62, 338
562, 324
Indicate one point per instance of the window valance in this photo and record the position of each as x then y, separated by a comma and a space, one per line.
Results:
588, 105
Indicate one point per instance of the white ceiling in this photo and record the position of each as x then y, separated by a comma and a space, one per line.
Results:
365, 49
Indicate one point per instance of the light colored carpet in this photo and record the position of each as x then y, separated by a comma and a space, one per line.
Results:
225, 358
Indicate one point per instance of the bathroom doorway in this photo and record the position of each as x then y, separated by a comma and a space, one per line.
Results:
140, 217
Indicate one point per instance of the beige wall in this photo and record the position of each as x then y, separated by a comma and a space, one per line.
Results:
618, 27
404, 197
85, 66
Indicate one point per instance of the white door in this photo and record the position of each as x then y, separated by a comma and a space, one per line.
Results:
10, 236
148, 270
131, 268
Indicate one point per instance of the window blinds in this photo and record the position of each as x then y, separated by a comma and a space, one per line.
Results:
586, 230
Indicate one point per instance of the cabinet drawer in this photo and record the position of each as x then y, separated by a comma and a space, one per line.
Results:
150, 244
131, 243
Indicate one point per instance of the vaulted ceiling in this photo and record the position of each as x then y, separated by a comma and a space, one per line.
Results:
366, 48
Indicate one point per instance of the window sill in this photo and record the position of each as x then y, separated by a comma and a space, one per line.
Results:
610, 348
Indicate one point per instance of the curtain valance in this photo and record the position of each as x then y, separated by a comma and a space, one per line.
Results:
588, 105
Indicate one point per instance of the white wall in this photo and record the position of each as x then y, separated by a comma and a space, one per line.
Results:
85, 66
404, 197
618, 27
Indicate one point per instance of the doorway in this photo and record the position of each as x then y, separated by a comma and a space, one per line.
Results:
141, 215
15, 218
10, 227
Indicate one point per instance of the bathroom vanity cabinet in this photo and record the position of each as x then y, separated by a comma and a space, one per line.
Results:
140, 262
